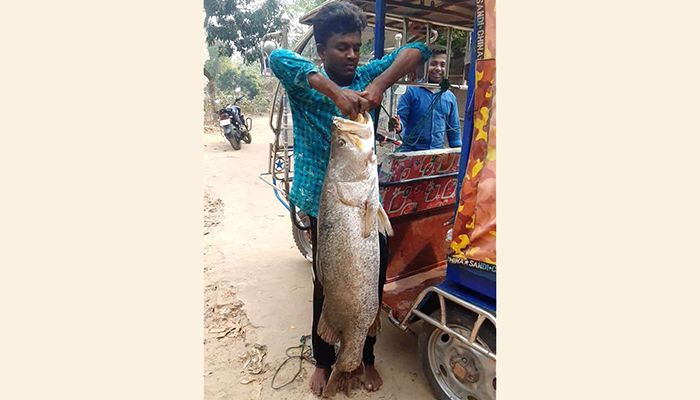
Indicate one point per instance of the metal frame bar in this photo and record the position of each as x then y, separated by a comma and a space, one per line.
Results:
428, 34
449, 52
398, 18
391, 17
425, 9
379, 21
467, 53
283, 198
270, 161
287, 161
482, 315
404, 29
272, 109
404, 40
274, 186
388, 28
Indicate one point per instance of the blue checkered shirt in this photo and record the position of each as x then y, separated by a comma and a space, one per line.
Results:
312, 114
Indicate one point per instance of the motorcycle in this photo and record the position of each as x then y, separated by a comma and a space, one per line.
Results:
234, 125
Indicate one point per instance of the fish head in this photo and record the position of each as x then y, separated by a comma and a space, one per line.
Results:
352, 142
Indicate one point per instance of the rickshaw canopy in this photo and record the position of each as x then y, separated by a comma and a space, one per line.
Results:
453, 13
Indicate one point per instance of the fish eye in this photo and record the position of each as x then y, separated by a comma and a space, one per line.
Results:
341, 142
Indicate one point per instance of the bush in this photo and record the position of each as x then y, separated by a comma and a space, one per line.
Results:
259, 105
227, 76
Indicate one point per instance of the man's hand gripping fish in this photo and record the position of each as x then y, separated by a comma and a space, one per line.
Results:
349, 219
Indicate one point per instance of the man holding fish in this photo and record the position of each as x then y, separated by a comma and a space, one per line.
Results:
335, 183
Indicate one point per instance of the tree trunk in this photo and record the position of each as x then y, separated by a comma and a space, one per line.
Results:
210, 117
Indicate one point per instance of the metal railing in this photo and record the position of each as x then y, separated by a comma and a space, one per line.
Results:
482, 315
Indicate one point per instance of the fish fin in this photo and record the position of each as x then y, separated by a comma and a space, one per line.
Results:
375, 327
384, 223
324, 330
345, 195
367, 220
371, 158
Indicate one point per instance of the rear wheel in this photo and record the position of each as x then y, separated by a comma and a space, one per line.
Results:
302, 238
235, 142
454, 370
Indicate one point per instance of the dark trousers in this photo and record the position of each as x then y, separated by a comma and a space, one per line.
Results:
324, 353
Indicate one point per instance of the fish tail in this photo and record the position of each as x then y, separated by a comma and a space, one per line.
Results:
340, 381
347, 370
350, 352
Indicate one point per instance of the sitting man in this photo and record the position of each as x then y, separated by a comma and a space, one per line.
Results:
424, 130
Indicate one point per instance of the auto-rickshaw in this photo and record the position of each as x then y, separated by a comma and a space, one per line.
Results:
441, 202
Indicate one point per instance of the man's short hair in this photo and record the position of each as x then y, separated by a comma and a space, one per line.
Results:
437, 50
337, 17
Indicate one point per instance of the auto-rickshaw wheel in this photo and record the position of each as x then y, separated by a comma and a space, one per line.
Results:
302, 238
455, 371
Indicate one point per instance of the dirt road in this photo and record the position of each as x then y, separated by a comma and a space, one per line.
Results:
258, 288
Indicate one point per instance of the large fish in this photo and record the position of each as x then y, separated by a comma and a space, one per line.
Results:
349, 219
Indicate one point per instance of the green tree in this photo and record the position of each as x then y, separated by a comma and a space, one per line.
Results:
235, 26
239, 25
296, 9
217, 64
459, 42
246, 77
214, 66
225, 76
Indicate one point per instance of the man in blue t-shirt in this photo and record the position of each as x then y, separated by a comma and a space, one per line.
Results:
424, 130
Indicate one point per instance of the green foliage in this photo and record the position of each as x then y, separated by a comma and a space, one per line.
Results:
367, 49
257, 106
296, 9
217, 64
239, 25
246, 77
301, 7
227, 76
459, 42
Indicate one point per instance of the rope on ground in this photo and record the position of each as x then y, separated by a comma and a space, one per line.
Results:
304, 355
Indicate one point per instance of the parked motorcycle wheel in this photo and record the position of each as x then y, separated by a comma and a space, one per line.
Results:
246, 136
235, 142
232, 137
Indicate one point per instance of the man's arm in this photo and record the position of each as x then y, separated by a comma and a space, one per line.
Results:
385, 72
454, 135
299, 75
349, 102
292, 70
